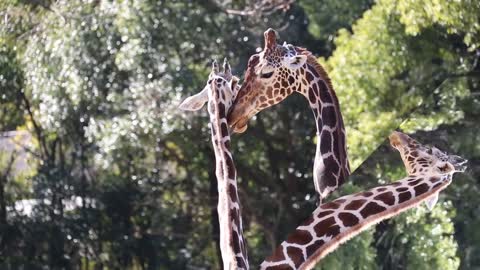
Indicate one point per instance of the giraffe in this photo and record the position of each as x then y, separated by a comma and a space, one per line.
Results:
220, 92
274, 74
429, 171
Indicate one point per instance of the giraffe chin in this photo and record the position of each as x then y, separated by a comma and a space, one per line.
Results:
240, 129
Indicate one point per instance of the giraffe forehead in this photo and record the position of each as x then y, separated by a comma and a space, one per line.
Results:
275, 56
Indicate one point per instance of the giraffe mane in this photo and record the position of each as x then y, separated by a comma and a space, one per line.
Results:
312, 61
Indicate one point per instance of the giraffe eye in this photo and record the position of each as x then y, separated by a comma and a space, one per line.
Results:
266, 75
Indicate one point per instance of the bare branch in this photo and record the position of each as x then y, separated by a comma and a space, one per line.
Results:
257, 8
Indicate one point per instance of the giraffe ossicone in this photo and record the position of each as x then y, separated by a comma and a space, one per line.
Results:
274, 74
331, 224
220, 91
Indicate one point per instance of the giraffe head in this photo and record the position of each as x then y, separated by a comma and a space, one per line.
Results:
224, 81
422, 159
271, 76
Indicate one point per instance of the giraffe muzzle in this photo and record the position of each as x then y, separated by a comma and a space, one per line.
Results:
459, 163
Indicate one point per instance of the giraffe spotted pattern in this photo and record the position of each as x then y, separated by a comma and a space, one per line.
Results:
229, 205
337, 221
277, 72
220, 91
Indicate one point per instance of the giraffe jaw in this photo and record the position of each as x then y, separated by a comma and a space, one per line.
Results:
237, 119
240, 126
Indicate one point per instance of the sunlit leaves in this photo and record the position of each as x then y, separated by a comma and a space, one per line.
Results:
383, 75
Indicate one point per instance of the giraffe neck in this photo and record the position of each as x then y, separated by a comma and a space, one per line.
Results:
331, 166
337, 221
232, 242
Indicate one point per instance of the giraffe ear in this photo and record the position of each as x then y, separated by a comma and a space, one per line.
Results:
395, 140
195, 102
294, 62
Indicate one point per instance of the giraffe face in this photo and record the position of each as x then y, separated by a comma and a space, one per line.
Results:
422, 159
271, 76
224, 81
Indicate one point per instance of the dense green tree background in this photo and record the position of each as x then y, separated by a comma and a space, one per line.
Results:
119, 178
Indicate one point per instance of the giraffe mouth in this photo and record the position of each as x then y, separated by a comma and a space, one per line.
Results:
459, 163
240, 126
237, 120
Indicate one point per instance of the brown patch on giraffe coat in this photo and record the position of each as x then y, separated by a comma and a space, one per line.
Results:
230, 167
232, 193
309, 77
396, 184
336, 146
313, 247
331, 205
308, 221
436, 185
325, 95
299, 237
235, 241
371, 208
224, 128
285, 83
327, 227
311, 97
270, 92
414, 182
329, 116
355, 204
402, 189
381, 189
348, 219
404, 196
434, 179
241, 262
420, 189
314, 88
227, 144
324, 213
386, 197
235, 216
296, 255
221, 110
277, 255
325, 142
291, 80
282, 266
330, 164
313, 71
